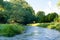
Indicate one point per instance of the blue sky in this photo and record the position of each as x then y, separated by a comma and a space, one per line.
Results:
44, 5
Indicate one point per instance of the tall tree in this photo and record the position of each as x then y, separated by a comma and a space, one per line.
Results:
20, 11
51, 16
40, 16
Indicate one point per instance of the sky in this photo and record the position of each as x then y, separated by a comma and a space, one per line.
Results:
47, 6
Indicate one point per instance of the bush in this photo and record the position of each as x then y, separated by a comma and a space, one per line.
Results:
54, 25
11, 29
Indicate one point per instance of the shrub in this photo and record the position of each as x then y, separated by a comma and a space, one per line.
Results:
54, 26
11, 29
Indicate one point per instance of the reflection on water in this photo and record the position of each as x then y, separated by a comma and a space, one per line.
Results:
36, 33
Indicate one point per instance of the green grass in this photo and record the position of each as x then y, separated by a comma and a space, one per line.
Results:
54, 25
43, 25
40, 24
11, 29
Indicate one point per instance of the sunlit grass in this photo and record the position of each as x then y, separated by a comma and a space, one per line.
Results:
33, 24
40, 24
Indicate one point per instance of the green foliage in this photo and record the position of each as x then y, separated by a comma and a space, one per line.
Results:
11, 29
40, 16
54, 25
1, 2
3, 17
19, 11
57, 19
51, 16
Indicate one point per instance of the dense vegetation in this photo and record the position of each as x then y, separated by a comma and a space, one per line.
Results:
11, 29
17, 11
42, 18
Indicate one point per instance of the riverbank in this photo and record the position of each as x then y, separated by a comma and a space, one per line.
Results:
53, 25
35, 33
10, 30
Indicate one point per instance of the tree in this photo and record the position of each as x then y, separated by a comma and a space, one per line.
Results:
2, 14
19, 11
51, 16
40, 16
1, 2
1, 5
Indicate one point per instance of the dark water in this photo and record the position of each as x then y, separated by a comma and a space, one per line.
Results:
36, 33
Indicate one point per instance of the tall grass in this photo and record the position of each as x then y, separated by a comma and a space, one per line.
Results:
11, 29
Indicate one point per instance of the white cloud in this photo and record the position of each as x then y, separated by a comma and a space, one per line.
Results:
50, 3
52, 9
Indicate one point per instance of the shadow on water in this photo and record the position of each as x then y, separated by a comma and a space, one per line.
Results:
36, 33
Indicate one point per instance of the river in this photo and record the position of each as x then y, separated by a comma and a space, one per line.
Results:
35, 33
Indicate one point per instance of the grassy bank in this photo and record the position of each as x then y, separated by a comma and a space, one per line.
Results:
53, 25
11, 29
40, 24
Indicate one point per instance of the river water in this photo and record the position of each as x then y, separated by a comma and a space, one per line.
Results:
36, 33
